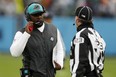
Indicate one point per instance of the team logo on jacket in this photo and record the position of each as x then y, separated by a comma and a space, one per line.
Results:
52, 39
79, 40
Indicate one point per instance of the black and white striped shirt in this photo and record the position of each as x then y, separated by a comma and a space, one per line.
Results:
87, 51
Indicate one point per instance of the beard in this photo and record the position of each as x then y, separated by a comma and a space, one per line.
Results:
38, 24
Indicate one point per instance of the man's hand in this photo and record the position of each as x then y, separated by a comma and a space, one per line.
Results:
57, 66
29, 27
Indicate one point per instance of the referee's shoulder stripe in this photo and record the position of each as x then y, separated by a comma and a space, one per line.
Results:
79, 33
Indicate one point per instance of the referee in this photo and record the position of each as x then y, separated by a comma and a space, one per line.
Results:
87, 47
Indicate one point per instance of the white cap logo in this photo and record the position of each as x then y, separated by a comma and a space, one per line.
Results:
83, 16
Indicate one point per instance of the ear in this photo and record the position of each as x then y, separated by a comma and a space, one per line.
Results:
76, 19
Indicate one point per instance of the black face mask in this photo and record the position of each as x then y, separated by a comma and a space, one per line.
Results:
38, 24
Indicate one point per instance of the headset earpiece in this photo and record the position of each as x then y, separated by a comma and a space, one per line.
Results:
27, 16
43, 9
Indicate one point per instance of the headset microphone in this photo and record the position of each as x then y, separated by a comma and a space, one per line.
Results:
73, 24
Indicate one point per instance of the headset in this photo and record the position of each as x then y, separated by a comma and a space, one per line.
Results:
27, 15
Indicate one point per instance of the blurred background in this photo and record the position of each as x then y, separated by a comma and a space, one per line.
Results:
61, 13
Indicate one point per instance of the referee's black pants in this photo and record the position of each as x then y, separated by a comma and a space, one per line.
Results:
93, 74
88, 74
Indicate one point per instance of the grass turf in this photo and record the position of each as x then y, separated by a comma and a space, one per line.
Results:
9, 67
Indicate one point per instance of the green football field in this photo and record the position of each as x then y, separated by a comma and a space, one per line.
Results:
9, 67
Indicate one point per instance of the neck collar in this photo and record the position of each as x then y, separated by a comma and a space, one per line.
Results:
41, 29
84, 26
